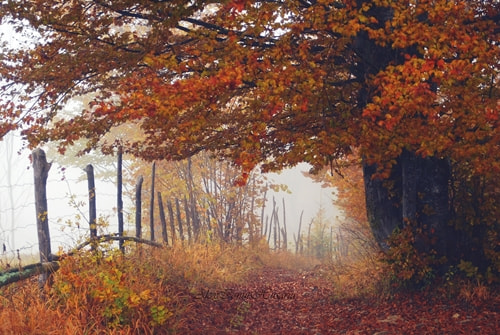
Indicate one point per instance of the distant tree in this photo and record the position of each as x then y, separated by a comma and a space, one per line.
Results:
320, 239
213, 202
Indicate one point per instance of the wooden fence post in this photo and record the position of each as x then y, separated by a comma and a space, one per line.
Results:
179, 220
172, 222
152, 204
163, 220
188, 218
92, 205
138, 207
41, 172
119, 200
285, 233
298, 233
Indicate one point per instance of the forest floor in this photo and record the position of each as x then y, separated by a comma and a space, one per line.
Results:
230, 290
283, 301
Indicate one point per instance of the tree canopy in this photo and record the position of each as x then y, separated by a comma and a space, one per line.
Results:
261, 81
404, 83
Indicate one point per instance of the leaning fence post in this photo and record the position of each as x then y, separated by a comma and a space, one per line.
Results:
163, 220
138, 207
41, 172
152, 203
92, 205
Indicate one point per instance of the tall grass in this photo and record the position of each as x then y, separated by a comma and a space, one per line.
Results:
143, 291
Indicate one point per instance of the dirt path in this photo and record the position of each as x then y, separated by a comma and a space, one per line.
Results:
278, 301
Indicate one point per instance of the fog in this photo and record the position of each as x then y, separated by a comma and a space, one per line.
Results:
68, 202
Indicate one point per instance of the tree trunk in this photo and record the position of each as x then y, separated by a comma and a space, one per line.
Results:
188, 219
382, 204
417, 194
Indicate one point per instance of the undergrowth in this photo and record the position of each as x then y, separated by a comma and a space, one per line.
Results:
137, 292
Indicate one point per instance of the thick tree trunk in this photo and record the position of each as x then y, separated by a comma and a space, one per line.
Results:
382, 204
417, 194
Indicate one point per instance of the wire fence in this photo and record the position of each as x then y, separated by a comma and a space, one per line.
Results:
67, 197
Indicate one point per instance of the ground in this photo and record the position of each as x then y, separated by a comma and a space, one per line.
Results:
279, 301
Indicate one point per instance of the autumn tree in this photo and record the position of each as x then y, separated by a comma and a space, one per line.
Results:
411, 85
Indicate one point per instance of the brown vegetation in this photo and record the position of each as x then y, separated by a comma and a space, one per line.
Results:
217, 289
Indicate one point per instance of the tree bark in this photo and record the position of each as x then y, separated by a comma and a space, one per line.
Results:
417, 194
382, 204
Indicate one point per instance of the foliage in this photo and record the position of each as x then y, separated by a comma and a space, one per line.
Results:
106, 291
209, 76
409, 267
476, 219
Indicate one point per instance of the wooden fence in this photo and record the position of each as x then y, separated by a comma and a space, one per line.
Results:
271, 229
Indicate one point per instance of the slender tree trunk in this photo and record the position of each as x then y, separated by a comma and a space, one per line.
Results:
192, 201
41, 172
285, 237
275, 237
262, 231
269, 224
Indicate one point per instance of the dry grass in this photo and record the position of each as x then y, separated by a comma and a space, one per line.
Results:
149, 289
135, 293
